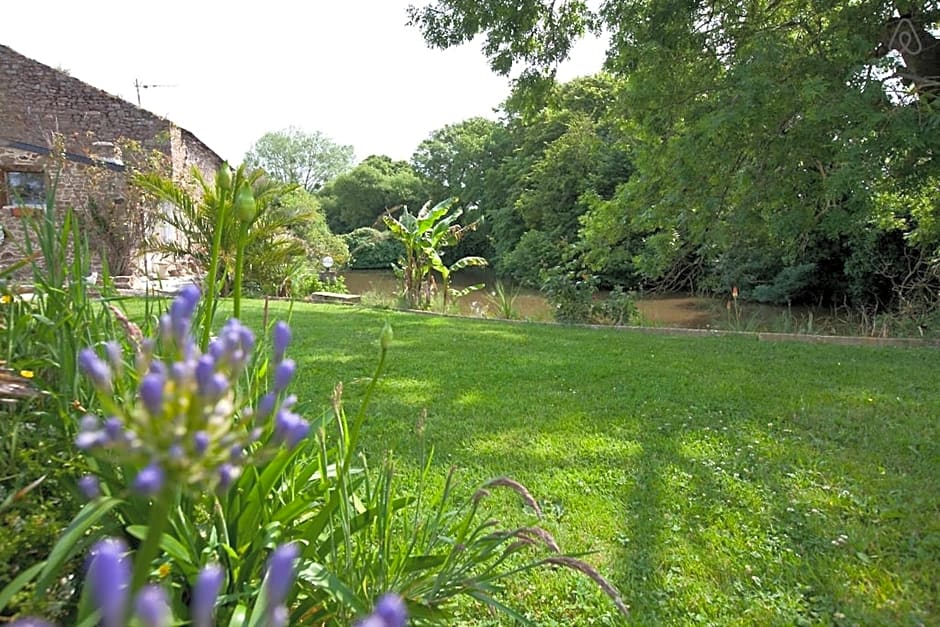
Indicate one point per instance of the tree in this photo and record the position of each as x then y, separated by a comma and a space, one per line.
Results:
359, 197
457, 161
294, 156
766, 135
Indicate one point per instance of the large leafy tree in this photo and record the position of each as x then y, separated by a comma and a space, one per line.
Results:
788, 147
294, 156
458, 162
359, 197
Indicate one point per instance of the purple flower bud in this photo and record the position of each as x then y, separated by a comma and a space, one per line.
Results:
205, 592
181, 372
218, 387
89, 487
236, 453
181, 313
149, 481
109, 575
279, 616
283, 375
205, 369
30, 621
151, 392
158, 367
227, 474
89, 422
281, 338
297, 432
96, 370
185, 304
176, 452
115, 356
285, 424
88, 440
200, 442
391, 609
280, 574
266, 406
114, 429
152, 607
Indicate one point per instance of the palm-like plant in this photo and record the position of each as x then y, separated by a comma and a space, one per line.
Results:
214, 225
425, 235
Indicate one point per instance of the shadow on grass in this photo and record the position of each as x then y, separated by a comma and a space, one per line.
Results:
721, 480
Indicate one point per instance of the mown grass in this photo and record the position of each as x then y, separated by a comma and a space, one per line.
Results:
719, 479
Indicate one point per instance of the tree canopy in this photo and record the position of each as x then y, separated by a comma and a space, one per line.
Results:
359, 197
787, 147
294, 156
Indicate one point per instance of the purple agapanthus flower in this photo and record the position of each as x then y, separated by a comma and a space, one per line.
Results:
205, 592
390, 611
109, 576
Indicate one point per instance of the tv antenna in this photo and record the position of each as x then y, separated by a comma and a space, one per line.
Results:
138, 86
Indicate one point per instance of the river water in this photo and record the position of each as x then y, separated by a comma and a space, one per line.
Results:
670, 311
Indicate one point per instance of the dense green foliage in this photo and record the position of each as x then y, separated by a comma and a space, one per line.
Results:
359, 197
293, 156
709, 499
425, 236
784, 148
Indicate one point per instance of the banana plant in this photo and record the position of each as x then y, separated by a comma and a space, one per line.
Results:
425, 235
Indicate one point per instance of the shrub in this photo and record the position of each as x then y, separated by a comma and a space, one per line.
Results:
371, 249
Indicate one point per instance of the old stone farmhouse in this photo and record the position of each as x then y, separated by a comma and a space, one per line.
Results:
57, 132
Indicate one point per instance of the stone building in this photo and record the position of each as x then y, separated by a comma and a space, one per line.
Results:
58, 133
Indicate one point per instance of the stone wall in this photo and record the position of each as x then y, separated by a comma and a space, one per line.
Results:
53, 123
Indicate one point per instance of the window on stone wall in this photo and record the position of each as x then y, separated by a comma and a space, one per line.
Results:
24, 189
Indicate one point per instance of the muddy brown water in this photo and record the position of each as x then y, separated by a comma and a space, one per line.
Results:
669, 311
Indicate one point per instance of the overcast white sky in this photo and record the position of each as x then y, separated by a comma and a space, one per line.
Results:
349, 68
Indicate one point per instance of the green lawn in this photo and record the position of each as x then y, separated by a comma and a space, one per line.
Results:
719, 479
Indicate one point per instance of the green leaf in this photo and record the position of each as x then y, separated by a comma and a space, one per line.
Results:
10, 590
321, 578
74, 539
170, 545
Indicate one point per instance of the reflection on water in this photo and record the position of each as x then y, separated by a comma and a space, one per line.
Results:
678, 311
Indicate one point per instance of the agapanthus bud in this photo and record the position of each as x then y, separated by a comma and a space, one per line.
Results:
279, 616
89, 434
223, 177
283, 374
89, 487
227, 474
280, 575
281, 338
205, 368
151, 392
200, 442
149, 481
109, 575
115, 356
30, 621
96, 370
386, 337
290, 427
205, 592
114, 429
266, 405
244, 205
152, 608
390, 611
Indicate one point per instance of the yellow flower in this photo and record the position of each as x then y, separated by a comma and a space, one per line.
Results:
27, 374
163, 571
5, 299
